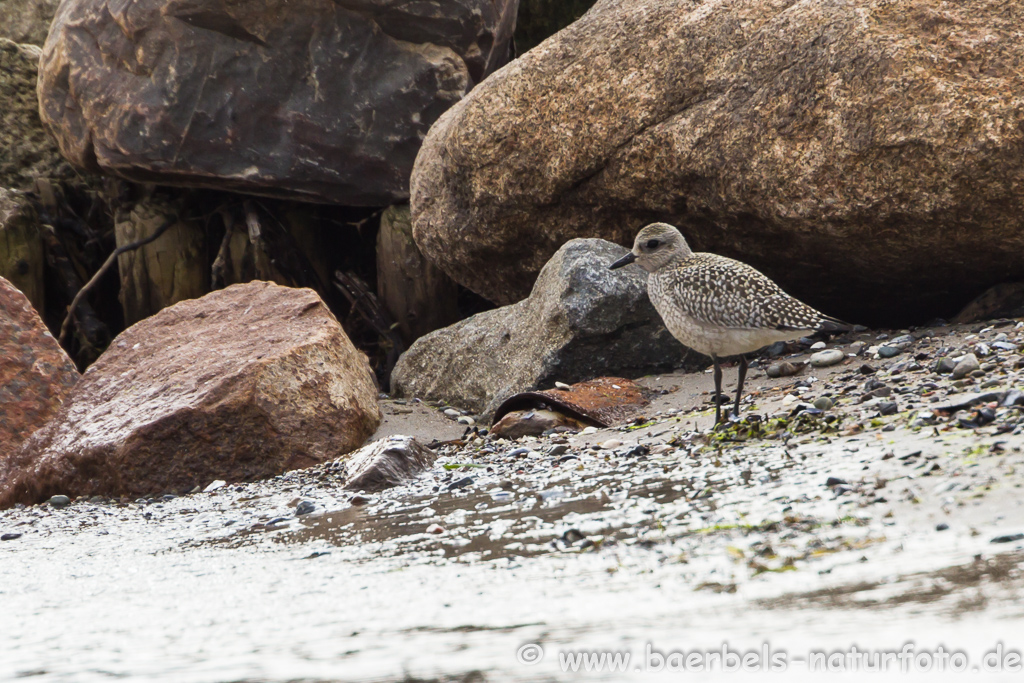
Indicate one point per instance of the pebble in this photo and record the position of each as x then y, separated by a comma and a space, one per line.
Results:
944, 365
452, 413
889, 351
466, 420
10, 536
887, 408
460, 484
823, 359
941, 527
1008, 538
817, 346
435, 529
502, 496
823, 403
304, 508
835, 481
562, 385
589, 430
966, 366
857, 347
610, 443
359, 500
1005, 346
783, 369
59, 501
214, 485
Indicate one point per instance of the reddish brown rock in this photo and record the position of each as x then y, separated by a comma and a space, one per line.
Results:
35, 373
242, 384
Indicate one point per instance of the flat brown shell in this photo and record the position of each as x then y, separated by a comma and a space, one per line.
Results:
602, 402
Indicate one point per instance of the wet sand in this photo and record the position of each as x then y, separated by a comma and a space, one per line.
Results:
661, 533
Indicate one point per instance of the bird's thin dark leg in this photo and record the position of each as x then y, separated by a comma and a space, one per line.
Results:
739, 384
718, 389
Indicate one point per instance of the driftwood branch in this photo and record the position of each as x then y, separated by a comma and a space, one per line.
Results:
104, 268
365, 303
93, 332
220, 264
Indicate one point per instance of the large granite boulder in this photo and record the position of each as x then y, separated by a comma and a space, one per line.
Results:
581, 321
26, 21
35, 373
316, 100
868, 155
26, 151
242, 384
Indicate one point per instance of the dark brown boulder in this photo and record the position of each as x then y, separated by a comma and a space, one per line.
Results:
242, 384
308, 99
35, 373
868, 155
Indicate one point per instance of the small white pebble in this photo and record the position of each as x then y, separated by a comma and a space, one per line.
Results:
562, 385
435, 529
466, 420
589, 430
611, 443
817, 345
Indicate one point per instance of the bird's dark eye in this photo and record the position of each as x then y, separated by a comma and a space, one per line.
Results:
653, 244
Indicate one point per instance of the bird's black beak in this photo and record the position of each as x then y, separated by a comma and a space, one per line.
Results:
624, 261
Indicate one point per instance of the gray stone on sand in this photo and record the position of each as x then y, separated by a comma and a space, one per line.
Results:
823, 359
581, 321
966, 366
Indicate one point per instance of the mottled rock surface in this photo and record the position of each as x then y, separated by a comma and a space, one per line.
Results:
26, 151
388, 462
22, 260
308, 99
581, 321
35, 373
242, 384
26, 21
850, 150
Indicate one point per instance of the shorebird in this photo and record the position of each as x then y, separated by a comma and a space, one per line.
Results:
716, 305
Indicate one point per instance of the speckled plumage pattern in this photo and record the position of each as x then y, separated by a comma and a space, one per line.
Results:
714, 304
719, 306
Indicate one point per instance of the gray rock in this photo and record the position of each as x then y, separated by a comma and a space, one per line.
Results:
823, 359
966, 366
317, 100
889, 351
823, 403
581, 321
783, 369
944, 365
887, 408
59, 501
386, 463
